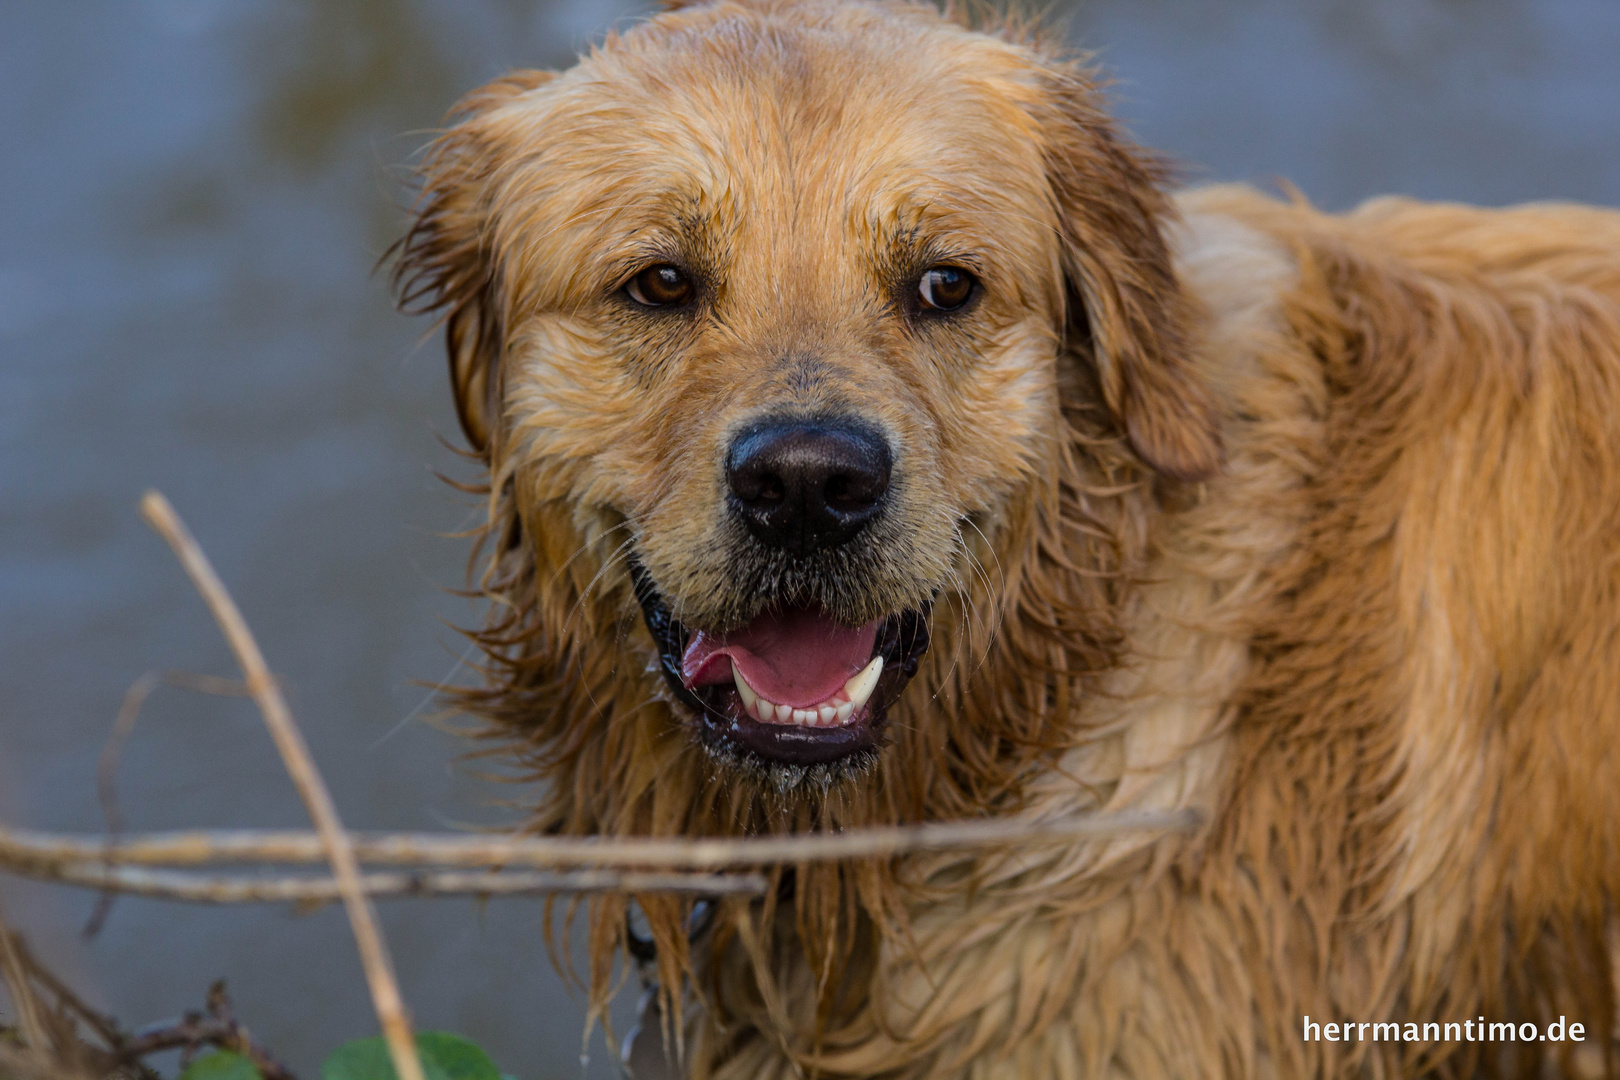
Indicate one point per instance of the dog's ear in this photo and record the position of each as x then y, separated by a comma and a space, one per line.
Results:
445, 262
1123, 296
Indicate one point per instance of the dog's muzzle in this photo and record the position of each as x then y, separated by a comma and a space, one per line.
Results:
793, 685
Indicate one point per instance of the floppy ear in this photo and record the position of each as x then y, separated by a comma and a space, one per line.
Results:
445, 263
1123, 296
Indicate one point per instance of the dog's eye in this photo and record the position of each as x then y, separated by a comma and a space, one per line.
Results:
945, 288
660, 286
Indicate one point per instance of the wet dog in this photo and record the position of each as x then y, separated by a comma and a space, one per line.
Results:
871, 438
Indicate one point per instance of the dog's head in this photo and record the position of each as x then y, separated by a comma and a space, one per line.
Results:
779, 323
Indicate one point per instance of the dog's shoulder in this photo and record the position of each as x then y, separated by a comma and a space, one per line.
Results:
1236, 270
1225, 255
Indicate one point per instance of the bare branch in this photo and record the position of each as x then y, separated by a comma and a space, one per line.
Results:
256, 889
379, 968
23, 848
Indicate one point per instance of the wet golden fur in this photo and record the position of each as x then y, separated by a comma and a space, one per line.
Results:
1308, 522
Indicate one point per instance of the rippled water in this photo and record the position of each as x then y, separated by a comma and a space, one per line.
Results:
192, 197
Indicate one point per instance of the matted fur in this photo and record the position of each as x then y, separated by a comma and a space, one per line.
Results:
1308, 522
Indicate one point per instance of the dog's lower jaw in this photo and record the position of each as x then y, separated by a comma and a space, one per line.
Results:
785, 779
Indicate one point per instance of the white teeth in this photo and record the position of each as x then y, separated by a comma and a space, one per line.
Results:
835, 711
861, 686
747, 692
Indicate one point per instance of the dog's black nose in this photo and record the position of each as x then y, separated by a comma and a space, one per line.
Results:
802, 485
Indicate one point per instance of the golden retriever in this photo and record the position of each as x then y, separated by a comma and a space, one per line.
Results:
872, 438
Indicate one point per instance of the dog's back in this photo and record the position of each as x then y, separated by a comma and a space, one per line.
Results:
1425, 746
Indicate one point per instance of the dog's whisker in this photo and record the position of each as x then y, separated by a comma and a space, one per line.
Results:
955, 582
434, 690
582, 549
607, 564
979, 578
962, 589
988, 546
992, 593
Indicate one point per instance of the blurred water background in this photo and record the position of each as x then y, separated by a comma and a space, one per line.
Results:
193, 194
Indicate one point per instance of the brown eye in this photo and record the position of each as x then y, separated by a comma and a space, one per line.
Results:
945, 288
660, 286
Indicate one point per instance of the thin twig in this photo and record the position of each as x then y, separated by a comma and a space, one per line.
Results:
217, 1026
219, 1007
250, 889
23, 847
129, 710
374, 958
14, 970
40, 978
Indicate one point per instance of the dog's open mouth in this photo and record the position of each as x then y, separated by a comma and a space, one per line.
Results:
793, 686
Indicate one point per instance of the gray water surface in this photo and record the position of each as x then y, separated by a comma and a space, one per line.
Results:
193, 194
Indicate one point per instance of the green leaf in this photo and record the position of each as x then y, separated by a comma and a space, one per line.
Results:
221, 1065
444, 1057
362, 1059
461, 1059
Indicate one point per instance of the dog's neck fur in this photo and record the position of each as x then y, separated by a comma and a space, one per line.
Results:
1159, 728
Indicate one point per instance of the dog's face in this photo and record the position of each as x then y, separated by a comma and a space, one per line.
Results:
764, 307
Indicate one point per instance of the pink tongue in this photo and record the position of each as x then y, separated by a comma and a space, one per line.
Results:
796, 658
